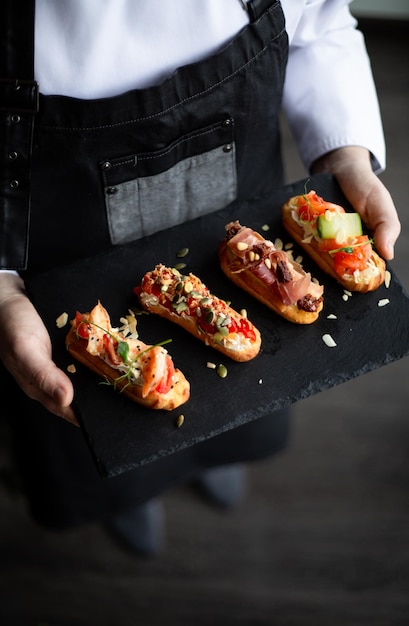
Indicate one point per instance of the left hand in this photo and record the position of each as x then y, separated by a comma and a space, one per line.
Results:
352, 169
25, 349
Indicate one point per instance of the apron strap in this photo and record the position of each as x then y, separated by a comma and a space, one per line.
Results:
19, 96
256, 8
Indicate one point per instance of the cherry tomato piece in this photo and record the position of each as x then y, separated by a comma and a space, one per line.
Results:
82, 325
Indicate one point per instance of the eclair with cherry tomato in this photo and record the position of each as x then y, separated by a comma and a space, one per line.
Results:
335, 240
144, 373
187, 301
270, 274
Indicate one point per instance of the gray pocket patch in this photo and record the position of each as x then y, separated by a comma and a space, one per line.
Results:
193, 186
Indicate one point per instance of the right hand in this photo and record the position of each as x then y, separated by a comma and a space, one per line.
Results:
25, 349
352, 168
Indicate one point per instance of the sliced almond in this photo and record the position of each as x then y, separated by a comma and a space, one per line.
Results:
62, 320
328, 340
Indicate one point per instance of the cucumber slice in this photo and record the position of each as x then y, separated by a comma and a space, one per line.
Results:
339, 226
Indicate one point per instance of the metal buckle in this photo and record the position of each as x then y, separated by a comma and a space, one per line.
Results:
19, 96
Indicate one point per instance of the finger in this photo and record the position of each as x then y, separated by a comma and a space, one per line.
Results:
53, 384
51, 387
67, 413
374, 202
385, 237
57, 395
384, 222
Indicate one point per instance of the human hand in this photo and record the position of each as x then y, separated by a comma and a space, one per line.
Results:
25, 349
352, 169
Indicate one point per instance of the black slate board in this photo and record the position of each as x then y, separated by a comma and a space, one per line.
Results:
294, 362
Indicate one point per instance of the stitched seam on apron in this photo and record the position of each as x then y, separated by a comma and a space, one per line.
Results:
196, 95
172, 147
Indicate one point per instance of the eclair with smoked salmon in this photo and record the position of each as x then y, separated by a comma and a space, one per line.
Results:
144, 373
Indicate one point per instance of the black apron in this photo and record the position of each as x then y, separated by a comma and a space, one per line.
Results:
112, 170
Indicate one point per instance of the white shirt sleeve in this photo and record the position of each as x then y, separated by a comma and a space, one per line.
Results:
330, 98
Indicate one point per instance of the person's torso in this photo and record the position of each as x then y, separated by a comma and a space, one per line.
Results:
110, 170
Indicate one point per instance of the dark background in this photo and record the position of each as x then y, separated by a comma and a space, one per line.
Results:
322, 538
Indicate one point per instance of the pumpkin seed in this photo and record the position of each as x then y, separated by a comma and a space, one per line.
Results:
218, 337
209, 317
182, 253
180, 306
223, 331
222, 370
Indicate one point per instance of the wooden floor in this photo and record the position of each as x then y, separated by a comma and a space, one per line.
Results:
322, 538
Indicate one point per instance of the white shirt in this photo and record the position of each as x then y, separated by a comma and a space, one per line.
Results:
99, 48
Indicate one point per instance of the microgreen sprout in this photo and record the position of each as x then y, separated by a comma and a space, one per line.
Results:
350, 249
311, 215
123, 346
305, 188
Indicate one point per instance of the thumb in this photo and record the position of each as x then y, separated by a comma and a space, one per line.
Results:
54, 390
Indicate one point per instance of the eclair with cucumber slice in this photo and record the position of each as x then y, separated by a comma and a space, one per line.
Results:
335, 240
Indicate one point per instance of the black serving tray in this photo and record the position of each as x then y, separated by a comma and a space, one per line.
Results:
294, 362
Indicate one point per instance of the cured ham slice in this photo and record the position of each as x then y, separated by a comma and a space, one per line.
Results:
270, 274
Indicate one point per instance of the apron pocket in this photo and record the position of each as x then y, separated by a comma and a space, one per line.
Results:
192, 176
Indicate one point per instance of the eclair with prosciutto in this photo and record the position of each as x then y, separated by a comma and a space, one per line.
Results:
269, 274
